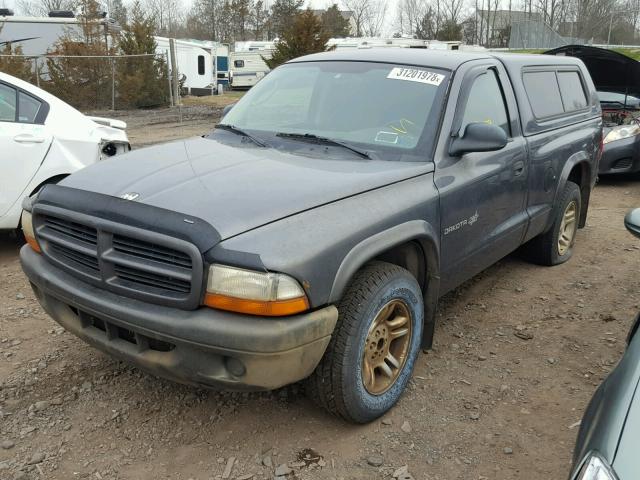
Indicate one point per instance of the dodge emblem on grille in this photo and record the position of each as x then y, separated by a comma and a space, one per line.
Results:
130, 195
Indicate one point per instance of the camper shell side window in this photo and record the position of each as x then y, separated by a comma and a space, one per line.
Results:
554, 92
553, 96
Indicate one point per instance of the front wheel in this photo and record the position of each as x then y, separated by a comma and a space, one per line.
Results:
371, 355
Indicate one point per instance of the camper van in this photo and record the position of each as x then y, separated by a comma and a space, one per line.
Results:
247, 63
202, 65
39, 35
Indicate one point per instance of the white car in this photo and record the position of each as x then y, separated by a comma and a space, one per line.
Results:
42, 140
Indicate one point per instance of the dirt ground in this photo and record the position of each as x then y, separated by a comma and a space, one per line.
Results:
519, 351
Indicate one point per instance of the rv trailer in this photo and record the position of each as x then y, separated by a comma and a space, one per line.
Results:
38, 36
247, 63
202, 65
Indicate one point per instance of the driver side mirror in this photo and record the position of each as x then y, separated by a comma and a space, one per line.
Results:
228, 108
478, 137
632, 222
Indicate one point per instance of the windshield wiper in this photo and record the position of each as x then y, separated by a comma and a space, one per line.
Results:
239, 131
310, 137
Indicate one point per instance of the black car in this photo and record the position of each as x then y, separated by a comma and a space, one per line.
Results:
607, 447
617, 80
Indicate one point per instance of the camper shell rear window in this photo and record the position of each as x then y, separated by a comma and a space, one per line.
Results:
554, 92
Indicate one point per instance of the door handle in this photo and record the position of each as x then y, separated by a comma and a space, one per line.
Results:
518, 169
28, 138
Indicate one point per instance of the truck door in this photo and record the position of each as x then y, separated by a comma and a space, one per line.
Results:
23, 142
482, 194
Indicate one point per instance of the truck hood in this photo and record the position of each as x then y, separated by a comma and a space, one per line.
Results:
235, 188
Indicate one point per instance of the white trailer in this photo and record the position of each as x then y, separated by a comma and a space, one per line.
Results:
194, 62
247, 64
39, 35
202, 65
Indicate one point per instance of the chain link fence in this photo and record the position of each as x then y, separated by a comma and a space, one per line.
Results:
537, 34
116, 82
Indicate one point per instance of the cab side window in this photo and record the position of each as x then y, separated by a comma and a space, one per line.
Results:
7, 103
486, 103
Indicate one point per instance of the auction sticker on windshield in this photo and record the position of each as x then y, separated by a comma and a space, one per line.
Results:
416, 75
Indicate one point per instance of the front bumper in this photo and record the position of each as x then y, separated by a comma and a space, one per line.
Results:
621, 156
200, 347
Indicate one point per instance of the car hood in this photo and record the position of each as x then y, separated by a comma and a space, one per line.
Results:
610, 71
236, 188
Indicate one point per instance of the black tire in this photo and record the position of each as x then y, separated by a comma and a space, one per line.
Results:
337, 384
544, 249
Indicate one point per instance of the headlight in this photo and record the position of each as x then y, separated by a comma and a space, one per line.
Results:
27, 230
596, 468
623, 131
255, 293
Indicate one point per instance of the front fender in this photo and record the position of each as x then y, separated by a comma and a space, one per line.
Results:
324, 247
416, 230
376, 244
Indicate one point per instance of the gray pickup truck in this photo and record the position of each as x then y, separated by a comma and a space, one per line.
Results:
310, 235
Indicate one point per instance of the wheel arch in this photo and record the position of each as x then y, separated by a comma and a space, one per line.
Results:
412, 245
579, 171
53, 179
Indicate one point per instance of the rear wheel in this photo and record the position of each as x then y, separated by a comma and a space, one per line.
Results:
373, 350
556, 245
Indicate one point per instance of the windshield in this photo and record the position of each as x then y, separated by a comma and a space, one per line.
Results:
389, 110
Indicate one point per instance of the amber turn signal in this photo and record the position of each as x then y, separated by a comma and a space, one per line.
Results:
256, 307
27, 230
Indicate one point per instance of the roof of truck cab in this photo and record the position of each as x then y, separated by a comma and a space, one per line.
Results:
447, 59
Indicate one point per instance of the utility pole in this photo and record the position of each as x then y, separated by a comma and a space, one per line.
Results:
174, 72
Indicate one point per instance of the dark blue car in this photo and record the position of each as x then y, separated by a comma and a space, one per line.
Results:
607, 447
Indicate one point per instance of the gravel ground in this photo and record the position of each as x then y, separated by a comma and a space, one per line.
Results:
519, 351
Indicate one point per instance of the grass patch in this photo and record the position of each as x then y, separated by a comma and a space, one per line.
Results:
529, 50
629, 52
213, 100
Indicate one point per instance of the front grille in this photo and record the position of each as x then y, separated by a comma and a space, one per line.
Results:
123, 259
152, 280
131, 246
79, 259
72, 230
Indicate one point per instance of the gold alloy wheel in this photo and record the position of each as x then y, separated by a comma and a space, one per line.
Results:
387, 347
567, 228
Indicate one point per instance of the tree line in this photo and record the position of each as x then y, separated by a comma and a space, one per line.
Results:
484, 22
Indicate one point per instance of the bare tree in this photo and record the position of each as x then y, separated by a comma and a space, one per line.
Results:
358, 10
410, 14
375, 18
452, 10
167, 14
41, 8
